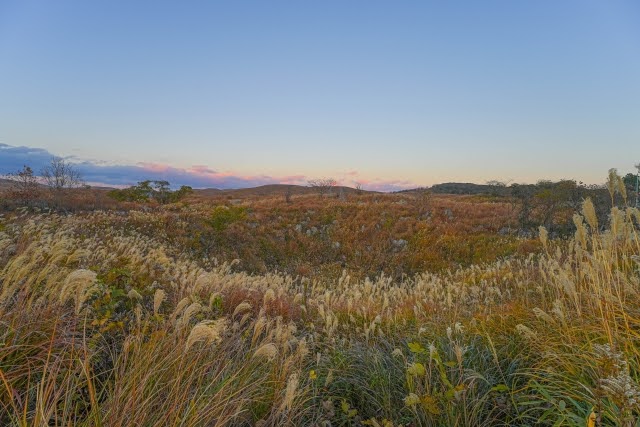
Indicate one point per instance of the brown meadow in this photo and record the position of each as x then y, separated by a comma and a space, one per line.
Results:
396, 310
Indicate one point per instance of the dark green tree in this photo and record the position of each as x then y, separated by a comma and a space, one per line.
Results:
146, 191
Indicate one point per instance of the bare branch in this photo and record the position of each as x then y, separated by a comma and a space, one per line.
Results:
60, 174
323, 185
25, 188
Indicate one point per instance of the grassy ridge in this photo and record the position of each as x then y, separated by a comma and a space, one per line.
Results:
106, 322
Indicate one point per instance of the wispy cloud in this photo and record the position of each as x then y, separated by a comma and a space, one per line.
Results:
198, 176
387, 185
353, 178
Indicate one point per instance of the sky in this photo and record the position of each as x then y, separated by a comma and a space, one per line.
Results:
389, 94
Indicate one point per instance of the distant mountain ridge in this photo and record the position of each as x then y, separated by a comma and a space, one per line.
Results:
275, 189
469, 188
465, 188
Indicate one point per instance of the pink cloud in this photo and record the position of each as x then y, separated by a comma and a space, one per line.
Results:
200, 176
353, 178
197, 176
386, 185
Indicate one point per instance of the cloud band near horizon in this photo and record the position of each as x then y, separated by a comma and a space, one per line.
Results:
13, 158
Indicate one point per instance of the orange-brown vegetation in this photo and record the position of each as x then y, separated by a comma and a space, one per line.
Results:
371, 309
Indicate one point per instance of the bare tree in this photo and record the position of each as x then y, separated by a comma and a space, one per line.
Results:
60, 174
497, 187
25, 188
615, 184
323, 185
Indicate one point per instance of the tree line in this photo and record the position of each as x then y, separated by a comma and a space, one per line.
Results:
546, 203
58, 183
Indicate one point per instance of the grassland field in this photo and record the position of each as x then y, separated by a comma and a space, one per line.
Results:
407, 309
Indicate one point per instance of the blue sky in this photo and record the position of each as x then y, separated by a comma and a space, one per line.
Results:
391, 94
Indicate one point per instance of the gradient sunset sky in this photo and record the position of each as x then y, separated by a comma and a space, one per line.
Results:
392, 94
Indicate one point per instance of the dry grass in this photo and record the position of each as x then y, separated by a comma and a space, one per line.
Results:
106, 320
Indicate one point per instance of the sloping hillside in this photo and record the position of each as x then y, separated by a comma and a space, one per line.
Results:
275, 189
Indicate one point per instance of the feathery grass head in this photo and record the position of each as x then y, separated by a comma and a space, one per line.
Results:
622, 189
268, 351
182, 304
525, 331
581, 231
241, 308
612, 182
290, 392
209, 332
158, 297
544, 235
77, 280
589, 214
189, 312
79, 284
269, 296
